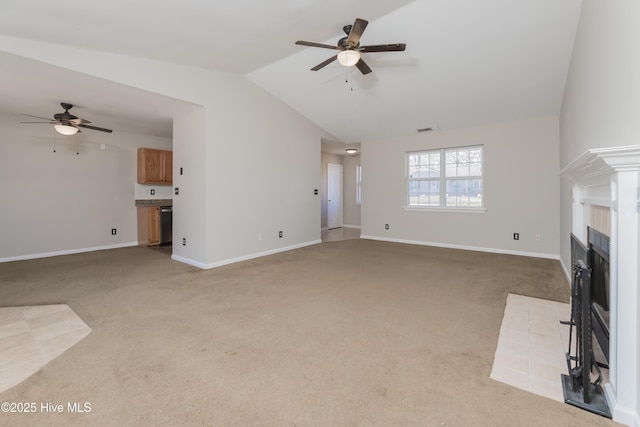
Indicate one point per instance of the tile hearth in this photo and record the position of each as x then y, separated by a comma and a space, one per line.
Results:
532, 345
30, 337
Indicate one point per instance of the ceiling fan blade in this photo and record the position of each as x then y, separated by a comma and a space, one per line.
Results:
325, 63
356, 32
363, 67
47, 123
79, 121
94, 128
313, 44
37, 117
394, 47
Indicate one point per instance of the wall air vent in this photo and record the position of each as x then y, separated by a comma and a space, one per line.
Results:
425, 130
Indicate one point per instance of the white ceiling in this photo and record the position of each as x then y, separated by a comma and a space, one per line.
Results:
467, 62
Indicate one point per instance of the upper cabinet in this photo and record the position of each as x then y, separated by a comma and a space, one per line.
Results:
155, 166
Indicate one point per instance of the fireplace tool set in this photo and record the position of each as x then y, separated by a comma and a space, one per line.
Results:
578, 388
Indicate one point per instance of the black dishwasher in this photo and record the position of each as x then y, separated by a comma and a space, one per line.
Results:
166, 227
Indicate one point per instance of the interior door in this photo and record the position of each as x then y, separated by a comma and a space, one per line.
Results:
334, 196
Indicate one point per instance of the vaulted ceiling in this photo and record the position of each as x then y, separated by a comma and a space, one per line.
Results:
467, 62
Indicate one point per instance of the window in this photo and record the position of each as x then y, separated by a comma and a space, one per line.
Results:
358, 184
445, 178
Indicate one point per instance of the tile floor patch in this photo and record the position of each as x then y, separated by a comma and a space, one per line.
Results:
30, 337
532, 345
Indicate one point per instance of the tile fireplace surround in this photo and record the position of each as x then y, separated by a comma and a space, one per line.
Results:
610, 177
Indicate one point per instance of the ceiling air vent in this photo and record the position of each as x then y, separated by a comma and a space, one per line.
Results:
425, 130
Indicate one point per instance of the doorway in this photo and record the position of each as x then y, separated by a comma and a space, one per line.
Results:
334, 195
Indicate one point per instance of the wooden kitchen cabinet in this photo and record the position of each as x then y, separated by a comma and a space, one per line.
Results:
155, 166
153, 225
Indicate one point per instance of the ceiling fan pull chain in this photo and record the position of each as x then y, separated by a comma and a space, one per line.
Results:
54, 140
351, 72
77, 145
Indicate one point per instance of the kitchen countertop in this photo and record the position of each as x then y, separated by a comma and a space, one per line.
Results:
153, 202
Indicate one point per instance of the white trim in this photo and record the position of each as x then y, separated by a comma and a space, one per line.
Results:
443, 209
621, 414
566, 272
67, 252
466, 248
351, 226
244, 257
189, 261
595, 165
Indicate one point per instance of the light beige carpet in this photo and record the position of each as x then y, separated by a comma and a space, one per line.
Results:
351, 333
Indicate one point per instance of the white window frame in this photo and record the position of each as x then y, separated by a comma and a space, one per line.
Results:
442, 179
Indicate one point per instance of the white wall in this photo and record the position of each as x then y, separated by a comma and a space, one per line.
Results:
66, 202
601, 104
189, 206
263, 161
601, 108
255, 161
521, 190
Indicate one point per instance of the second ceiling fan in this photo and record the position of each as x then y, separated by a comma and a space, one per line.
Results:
350, 48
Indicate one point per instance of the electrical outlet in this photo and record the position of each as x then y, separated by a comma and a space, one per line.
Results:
315, 191
180, 171
114, 231
280, 234
259, 236
184, 241
153, 191
516, 236
538, 238
386, 226
176, 191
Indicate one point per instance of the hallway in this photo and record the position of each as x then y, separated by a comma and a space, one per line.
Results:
341, 233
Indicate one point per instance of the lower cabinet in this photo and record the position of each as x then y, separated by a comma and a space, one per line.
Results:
153, 218
149, 225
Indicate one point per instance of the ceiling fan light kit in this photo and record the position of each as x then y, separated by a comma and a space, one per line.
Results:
348, 58
65, 130
350, 49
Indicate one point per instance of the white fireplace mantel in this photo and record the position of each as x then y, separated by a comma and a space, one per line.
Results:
611, 177
596, 165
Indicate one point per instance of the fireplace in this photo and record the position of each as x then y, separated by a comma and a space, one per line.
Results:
609, 178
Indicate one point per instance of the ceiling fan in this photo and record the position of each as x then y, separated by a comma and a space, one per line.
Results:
66, 123
350, 48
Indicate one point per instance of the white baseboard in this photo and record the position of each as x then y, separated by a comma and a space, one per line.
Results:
67, 252
211, 265
466, 248
623, 415
189, 261
342, 226
566, 271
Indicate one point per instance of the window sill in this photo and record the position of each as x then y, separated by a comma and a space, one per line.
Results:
438, 209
